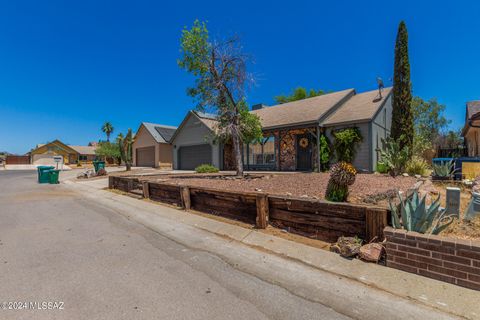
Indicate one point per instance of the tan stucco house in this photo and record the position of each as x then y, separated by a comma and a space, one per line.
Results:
471, 130
43, 154
151, 146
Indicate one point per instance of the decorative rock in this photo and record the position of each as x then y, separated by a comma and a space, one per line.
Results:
348, 247
371, 252
288, 193
258, 189
418, 176
405, 174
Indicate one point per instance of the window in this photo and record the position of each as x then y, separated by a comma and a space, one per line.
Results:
262, 153
82, 157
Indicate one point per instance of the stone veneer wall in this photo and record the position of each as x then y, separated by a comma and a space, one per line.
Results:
450, 260
288, 153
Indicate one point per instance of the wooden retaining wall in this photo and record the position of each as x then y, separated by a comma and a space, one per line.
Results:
312, 218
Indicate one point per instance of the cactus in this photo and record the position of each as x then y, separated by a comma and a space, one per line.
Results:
444, 170
342, 175
414, 215
125, 145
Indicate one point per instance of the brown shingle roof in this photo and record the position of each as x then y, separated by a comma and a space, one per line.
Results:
360, 107
301, 112
87, 150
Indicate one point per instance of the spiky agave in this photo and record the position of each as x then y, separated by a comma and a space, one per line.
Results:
413, 214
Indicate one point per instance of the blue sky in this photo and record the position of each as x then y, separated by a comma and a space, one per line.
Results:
68, 66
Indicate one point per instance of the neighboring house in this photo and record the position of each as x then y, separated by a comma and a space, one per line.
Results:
151, 146
471, 130
290, 132
44, 153
193, 142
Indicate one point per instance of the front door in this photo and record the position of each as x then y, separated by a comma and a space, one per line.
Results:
304, 152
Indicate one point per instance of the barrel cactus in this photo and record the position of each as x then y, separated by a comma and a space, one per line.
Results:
342, 175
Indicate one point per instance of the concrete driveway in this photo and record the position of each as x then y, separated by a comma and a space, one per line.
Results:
58, 246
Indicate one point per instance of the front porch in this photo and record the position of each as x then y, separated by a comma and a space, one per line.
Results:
293, 149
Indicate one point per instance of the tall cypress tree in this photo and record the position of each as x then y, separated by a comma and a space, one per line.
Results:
402, 115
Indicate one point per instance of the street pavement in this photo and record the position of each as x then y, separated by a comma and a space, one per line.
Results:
59, 247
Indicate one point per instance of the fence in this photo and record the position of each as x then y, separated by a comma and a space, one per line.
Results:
17, 160
312, 218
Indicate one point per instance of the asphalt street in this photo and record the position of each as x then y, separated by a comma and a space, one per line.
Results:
64, 252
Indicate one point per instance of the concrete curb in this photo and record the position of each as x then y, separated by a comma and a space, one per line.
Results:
435, 294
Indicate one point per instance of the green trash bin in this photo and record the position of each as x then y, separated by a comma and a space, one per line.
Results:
43, 176
53, 176
98, 165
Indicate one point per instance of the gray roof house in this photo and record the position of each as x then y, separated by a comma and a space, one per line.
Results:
291, 132
151, 146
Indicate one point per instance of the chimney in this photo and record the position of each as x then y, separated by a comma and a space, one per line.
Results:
258, 106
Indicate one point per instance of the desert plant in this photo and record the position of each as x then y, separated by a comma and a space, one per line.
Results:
444, 170
206, 168
345, 143
324, 153
417, 165
413, 214
393, 156
342, 175
125, 146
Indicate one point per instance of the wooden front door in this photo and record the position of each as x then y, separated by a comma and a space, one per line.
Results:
304, 152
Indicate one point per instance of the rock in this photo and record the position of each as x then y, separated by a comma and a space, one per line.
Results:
304, 196
288, 194
371, 252
258, 189
418, 176
348, 247
405, 174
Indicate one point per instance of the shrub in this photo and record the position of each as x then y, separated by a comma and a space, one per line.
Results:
342, 175
393, 156
206, 168
345, 141
381, 167
324, 153
417, 165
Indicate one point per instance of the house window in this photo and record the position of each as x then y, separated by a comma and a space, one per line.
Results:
82, 157
262, 153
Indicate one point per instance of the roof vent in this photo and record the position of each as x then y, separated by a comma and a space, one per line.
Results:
258, 106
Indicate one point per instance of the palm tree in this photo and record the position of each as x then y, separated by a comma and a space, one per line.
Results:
107, 128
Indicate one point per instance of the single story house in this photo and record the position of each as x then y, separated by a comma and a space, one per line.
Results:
43, 153
471, 130
151, 146
291, 132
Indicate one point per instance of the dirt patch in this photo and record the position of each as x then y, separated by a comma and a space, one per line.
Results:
307, 185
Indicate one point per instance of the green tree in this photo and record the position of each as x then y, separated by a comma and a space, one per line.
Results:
402, 117
107, 128
221, 78
106, 149
429, 123
298, 94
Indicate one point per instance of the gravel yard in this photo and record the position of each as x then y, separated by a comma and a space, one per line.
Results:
311, 185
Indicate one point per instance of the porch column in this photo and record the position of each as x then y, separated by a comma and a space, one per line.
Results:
318, 150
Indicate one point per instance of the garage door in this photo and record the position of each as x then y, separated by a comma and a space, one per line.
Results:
146, 157
193, 156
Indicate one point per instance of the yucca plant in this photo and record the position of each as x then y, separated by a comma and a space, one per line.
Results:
444, 169
413, 214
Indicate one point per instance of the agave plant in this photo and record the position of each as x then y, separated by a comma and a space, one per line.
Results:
444, 169
413, 214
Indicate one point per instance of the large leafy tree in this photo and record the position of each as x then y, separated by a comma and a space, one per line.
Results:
402, 116
107, 128
429, 123
108, 149
220, 70
298, 94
